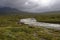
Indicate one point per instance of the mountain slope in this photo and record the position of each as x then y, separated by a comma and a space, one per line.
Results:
7, 9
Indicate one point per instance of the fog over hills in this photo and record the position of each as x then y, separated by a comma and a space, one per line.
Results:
8, 10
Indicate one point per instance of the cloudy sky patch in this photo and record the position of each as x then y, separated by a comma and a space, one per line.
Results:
32, 5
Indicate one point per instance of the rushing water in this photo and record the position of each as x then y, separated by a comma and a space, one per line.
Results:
46, 25
33, 22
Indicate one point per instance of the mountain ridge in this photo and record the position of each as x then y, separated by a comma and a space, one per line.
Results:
8, 10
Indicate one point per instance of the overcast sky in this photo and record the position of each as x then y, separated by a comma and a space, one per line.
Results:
32, 5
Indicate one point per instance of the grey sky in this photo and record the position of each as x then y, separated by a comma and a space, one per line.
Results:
32, 5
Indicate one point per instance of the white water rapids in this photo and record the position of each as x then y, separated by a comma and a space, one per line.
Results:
33, 22
46, 25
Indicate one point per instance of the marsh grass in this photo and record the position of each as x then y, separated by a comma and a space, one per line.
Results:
11, 29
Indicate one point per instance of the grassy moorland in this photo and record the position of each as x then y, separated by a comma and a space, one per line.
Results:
10, 29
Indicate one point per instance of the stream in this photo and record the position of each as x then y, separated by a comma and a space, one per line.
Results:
46, 25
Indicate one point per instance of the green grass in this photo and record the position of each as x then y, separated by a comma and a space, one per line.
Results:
10, 29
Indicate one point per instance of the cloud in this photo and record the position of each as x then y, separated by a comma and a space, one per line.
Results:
30, 6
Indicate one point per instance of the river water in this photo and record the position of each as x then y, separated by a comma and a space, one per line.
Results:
46, 25
35, 23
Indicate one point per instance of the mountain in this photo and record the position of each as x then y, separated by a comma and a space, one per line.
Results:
8, 9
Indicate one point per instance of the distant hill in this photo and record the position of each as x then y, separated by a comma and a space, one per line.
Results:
8, 10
